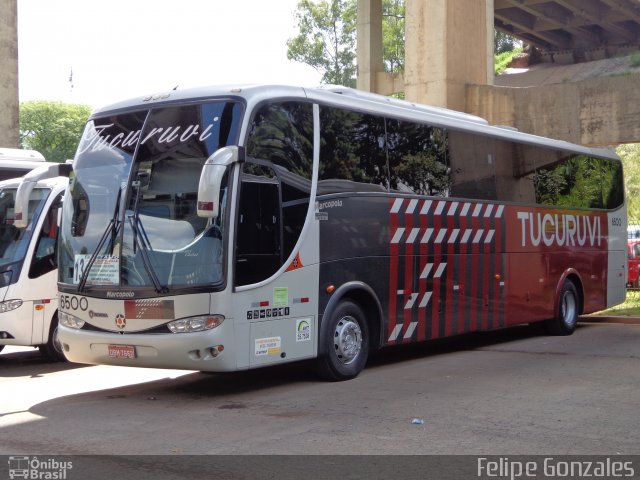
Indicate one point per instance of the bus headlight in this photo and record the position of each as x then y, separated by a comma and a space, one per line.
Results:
69, 320
195, 324
10, 305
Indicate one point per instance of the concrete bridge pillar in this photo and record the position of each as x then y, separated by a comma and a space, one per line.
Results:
449, 44
9, 103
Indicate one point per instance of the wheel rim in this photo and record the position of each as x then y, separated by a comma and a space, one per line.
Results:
347, 339
57, 344
569, 309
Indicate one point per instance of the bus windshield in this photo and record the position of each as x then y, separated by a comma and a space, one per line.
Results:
14, 241
132, 201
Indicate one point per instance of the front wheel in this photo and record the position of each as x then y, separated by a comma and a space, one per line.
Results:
53, 348
345, 344
567, 317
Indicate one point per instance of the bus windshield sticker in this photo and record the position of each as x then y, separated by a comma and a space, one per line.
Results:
280, 297
268, 346
303, 329
104, 270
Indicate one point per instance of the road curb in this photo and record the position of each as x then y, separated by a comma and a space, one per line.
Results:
609, 319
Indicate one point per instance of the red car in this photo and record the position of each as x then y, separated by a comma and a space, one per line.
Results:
633, 253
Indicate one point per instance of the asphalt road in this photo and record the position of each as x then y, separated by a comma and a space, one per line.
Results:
504, 393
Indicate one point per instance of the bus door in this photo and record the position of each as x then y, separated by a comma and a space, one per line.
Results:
42, 271
258, 250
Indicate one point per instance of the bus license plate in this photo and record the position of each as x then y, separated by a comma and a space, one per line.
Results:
122, 351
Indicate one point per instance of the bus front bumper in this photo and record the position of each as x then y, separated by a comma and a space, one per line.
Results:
210, 350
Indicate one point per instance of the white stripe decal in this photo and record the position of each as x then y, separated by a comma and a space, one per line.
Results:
412, 299
412, 206
452, 209
400, 292
396, 205
396, 332
467, 234
476, 211
487, 212
441, 235
440, 270
427, 235
412, 236
499, 212
478, 236
489, 236
425, 300
454, 235
426, 207
426, 270
410, 329
440, 208
398, 235
465, 209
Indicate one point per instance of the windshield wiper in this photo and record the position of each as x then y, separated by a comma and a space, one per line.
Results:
141, 239
113, 227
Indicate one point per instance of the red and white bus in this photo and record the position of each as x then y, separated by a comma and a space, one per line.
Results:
223, 229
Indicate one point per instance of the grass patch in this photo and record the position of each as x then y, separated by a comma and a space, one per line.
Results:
501, 61
630, 308
635, 59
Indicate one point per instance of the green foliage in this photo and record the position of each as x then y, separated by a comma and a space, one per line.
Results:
327, 39
630, 307
502, 60
52, 128
630, 155
635, 59
503, 42
393, 35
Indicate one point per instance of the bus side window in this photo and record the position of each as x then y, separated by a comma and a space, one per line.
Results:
44, 256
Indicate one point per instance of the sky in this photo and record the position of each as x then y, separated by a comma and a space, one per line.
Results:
96, 53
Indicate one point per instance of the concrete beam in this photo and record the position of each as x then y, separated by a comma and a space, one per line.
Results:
9, 103
369, 47
596, 112
449, 43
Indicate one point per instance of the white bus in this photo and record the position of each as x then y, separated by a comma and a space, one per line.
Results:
16, 162
225, 229
28, 269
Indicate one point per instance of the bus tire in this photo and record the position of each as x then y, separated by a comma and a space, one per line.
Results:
345, 344
568, 310
53, 348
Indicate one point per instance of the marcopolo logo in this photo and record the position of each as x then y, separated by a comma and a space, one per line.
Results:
37, 468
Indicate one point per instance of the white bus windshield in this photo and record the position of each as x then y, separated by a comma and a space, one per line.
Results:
133, 199
13, 241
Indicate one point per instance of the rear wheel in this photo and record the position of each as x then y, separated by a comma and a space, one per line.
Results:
568, 309
53, 348
346, 343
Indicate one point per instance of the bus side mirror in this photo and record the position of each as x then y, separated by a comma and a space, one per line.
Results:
211, 179
27, 185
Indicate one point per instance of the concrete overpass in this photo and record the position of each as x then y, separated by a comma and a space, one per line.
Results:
449, 62
9, 133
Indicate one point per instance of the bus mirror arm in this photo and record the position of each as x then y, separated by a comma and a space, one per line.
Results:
27, 185
211, 179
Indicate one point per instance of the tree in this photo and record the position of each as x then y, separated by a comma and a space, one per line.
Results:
503, 42
52, 128
327, 39
630, 155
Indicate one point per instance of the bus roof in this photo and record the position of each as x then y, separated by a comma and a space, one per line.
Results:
358, 100
21, 154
